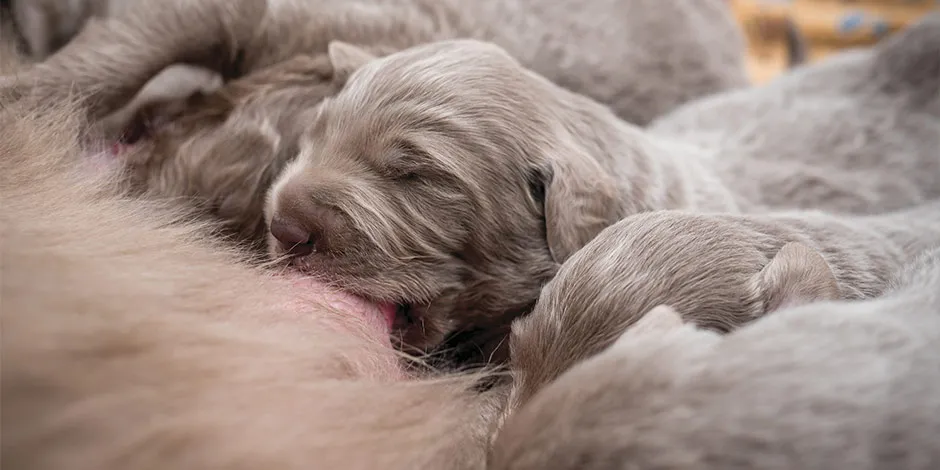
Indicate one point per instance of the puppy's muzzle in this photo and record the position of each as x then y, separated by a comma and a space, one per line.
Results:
303, 227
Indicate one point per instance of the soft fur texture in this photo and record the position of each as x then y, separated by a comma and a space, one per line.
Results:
858, 132
47, 25
131, 341
683, 50
452, 180
719, 271
824, 386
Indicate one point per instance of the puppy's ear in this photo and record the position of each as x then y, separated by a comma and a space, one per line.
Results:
797, 275
661, 319
346, 59
580, 200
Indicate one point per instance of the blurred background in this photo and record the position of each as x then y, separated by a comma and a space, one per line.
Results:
780, 33
783, 33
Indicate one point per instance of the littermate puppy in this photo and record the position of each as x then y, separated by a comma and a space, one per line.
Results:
684, 50
221, 149
132, 341
824, 386
858, 132
719, 271
451, 181
280, 51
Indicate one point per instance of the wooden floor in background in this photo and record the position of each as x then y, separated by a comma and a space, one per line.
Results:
826, 26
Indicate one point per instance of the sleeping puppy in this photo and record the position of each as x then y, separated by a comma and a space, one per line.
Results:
278, 50
133, 341
830, 385
451, 180
720, 271
220, 149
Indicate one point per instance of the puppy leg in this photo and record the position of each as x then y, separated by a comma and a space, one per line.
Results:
174, 83
110, 60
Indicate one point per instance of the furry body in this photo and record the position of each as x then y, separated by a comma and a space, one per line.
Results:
133, 341
828, 385
414, 187
704, 52
279, 50
719, 271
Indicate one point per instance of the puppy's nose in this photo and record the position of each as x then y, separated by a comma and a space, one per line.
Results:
293, 238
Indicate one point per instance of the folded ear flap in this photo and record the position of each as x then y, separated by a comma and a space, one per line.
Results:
581, 200
797, 275
346, 59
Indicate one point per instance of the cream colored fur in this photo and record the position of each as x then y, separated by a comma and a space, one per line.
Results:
132, 341
827, 386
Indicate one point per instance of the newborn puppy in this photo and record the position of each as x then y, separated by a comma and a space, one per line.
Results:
451, 180
222, 149
719, 271
685, 51
413, 188
830, 385
132, 341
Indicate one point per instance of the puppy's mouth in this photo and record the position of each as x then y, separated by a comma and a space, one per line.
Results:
131, 136
401, 316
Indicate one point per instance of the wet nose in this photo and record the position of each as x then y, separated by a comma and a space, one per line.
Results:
293, 238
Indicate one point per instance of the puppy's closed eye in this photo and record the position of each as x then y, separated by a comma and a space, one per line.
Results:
406, 160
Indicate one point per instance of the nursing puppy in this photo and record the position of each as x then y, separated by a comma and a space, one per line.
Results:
131, 341
451, 180
830, 385
685, 51
719, 271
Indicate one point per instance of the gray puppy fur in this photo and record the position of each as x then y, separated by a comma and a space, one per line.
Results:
47, 25
450, 179
683, 50
221, 151
860, 130
824, 386
720, 271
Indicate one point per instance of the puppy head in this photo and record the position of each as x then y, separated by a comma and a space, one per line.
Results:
608, 411
440, 180
716, 271
222, 149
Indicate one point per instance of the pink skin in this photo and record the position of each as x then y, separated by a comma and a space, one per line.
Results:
306, 297
380, 316
377, 318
